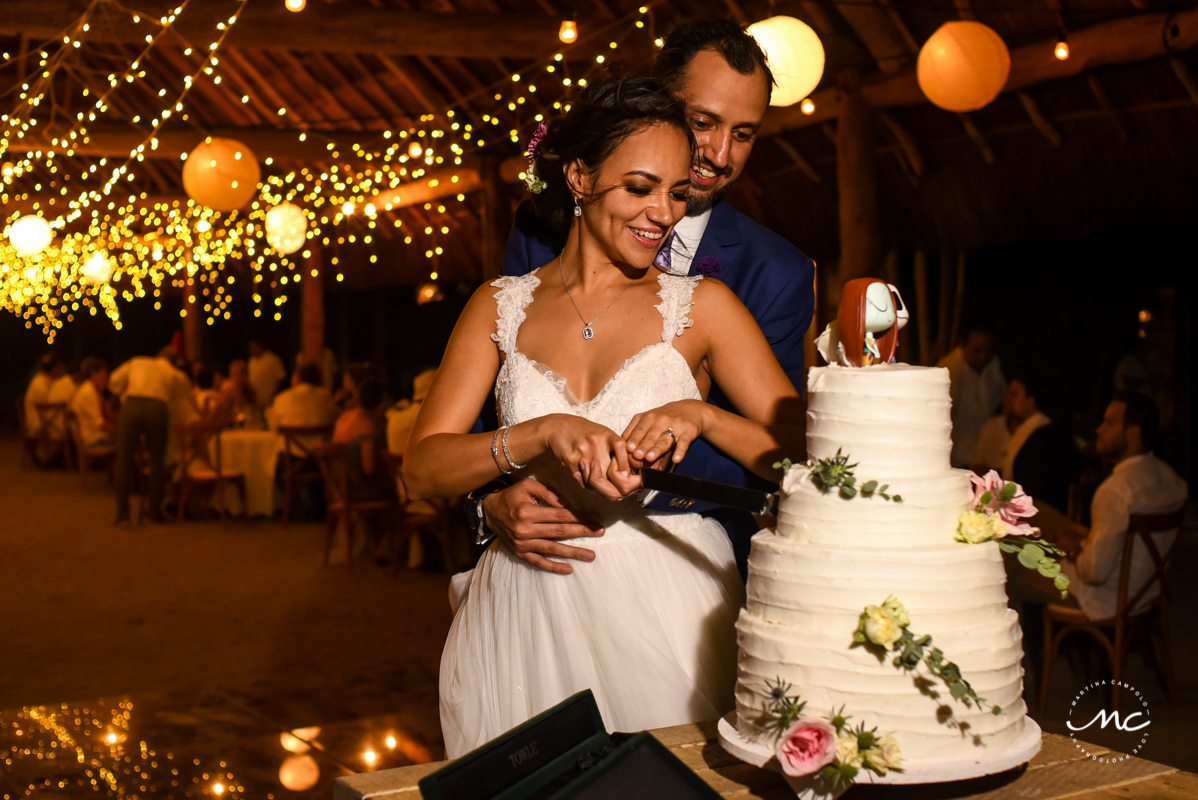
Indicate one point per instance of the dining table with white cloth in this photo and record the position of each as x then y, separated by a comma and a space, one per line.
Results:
255, 453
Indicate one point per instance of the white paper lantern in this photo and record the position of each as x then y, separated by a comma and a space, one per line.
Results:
963, 66
299, 773
285, 227
30, 235
97, 268
795, 54
221, 174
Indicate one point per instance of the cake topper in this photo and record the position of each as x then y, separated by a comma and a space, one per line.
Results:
866, 328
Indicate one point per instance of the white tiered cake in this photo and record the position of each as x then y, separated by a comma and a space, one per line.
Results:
830, 557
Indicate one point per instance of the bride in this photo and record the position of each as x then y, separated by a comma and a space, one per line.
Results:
597, 359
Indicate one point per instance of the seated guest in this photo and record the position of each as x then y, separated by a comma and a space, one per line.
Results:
353, 377
306, 403
400, 421
266, 372
62, 389
361, 429
38, 391
1139, 484
237, 391
976, 387
993, 439
97, 428
206, 395
1041, 455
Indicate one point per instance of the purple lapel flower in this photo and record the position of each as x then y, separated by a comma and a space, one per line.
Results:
710, 267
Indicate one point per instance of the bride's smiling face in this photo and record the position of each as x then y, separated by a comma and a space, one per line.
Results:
637, 194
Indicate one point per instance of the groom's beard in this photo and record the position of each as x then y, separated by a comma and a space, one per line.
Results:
699, 201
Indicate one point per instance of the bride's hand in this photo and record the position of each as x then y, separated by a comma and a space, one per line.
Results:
574, 440
613, 484
646, 433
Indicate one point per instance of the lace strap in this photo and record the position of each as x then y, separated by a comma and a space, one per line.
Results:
514, 295
675, 306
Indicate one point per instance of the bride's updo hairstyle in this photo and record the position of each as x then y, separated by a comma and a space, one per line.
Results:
602, 117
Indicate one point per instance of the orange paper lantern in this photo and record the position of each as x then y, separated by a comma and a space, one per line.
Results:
221, 174
963, 66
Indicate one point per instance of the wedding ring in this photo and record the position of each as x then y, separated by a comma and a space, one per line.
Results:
670, 432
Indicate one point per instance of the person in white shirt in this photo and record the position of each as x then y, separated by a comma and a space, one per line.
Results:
400, 421
207, 396
266, 371
977, 388
1140, 483
149, 387
62, 389
38, 391
87, 404
307, 403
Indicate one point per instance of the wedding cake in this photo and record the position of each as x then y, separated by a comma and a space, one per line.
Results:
865, 609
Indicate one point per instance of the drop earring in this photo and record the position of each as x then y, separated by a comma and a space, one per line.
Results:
577, 208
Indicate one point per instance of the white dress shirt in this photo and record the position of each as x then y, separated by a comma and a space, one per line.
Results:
38, 392
1142, 484
688, 232
303, 405
149, 377
975, 398
86, 405
265, 372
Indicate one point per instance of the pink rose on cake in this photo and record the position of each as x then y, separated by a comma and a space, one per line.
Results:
806, 747
1007, 500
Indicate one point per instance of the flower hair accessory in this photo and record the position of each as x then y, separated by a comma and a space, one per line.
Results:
531, 180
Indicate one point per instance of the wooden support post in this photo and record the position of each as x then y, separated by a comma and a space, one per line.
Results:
945, 321
497, 222
312, 331
191, 314
922, 315
857, 183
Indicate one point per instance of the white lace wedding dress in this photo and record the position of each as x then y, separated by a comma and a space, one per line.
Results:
648, 625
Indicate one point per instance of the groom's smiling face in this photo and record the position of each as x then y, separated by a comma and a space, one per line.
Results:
724, 109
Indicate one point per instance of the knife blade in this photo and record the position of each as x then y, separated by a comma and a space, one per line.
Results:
721, 494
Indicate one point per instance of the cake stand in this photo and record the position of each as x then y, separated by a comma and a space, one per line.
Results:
926, 770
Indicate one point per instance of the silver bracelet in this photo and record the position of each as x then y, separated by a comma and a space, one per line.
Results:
495, 450
508, 455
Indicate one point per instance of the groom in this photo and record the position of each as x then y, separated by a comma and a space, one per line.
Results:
721, 73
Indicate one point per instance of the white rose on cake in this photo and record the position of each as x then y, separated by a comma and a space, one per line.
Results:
881, 627
885, 755
975, 527
846, 750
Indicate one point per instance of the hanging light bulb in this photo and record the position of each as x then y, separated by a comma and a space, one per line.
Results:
295, 5
568, 32
415, 150
807, 106
30, 235
97, 268
1061, 50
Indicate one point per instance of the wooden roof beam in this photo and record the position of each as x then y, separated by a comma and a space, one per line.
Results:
1123, 41
1039, 120
320, 28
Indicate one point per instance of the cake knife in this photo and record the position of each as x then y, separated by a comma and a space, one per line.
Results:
721, 494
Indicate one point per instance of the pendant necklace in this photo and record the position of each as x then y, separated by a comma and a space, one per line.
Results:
587, 332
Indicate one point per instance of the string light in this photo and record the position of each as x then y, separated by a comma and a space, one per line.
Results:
807, 106
296, 5
568, 32
1061, 49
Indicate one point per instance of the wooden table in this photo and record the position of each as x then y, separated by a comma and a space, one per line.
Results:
1058, 771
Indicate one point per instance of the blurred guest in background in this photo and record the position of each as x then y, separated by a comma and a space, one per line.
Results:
307, 403
206, 395
400, 421
148, 387
266, 372
328, 368
993, 439
38, 391
1131, 373
238, 391
96, 426
1139, 484
1041, 455
977, 386
353, 377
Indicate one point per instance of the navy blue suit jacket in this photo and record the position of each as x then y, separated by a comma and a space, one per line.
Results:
776, 283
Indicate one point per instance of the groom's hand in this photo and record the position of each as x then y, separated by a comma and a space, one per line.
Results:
528, 517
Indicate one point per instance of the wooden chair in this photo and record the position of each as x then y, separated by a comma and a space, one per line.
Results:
29, 443
87, 455
50, 414
1113, 635
201, 466
340, 506
416, 515
300, 438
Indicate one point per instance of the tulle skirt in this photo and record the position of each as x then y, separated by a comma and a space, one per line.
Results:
648, 626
